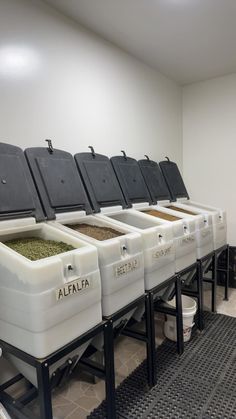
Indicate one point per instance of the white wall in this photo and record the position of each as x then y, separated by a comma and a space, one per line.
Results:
209, 144
60, 81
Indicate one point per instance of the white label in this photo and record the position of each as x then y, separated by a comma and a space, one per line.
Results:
188, 240
126, 267
73, 287
163, 252
206, 233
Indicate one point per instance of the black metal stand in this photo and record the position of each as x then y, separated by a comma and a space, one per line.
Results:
148, 336
211, 259
225, 269
167, 309
42, 367
198, 293
202, 266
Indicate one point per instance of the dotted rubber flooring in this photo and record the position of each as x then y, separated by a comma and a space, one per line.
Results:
200, 384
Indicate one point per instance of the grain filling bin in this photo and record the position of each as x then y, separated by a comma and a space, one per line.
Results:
46, 303
180, 198
66, 204
107, 198
159, 192
138, 200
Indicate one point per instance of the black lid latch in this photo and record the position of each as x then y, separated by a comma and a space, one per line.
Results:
50, 147
124, 154
92, 151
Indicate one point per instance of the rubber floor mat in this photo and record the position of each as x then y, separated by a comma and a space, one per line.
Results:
200, 384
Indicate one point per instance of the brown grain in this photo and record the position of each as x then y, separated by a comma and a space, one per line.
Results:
181, 210
162, 215
96, 232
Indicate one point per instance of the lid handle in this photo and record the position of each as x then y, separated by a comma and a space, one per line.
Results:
124, 154
92, 151
167, 158
50, 147
145, 155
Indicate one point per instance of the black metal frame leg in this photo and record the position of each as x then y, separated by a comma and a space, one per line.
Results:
109, 370
199, 295
214, 283
165, 308
44, 391
179, 316
227, 274
150, 343
225, 268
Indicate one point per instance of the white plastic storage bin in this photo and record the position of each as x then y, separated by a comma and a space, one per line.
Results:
180, 197
183, 232
121, 260
111, 198
203, 226
66, 202
218, 219
137, 195
47, 303
159, 193
106, 197
158, 244
44, 304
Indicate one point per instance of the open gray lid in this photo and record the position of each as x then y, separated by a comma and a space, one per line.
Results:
18, 196
131, 180
100, 180
57, 180
173, 179
154, 180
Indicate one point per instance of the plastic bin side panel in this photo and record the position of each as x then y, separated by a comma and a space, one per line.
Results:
42, 344
122, 297
42, 311
30, 372
154, 278
118, 276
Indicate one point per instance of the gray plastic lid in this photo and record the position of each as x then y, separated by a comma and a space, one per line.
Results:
100, 180
57, 180
131, 180
173, 179
155, 181
18, 196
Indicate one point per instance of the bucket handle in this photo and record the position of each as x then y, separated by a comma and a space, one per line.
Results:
189, 326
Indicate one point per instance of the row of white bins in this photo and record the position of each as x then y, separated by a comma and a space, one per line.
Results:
48, 303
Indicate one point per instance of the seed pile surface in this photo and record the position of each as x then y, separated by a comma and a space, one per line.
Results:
162, 215
35, 249
181, 210
98, 233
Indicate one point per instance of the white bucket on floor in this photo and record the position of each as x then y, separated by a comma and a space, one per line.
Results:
189, 307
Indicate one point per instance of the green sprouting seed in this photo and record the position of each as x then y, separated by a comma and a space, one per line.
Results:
35, 249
